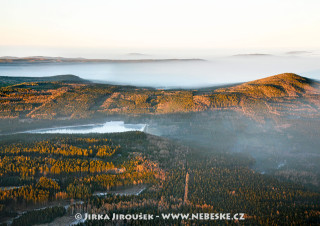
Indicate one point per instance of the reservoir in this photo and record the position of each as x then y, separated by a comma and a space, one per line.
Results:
108, 127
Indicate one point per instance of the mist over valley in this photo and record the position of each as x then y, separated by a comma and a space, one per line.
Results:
165, 72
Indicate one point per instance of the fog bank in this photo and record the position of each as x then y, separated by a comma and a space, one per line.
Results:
184, 74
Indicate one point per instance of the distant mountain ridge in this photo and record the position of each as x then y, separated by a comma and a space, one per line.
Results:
138, 54
253, 55
45, 59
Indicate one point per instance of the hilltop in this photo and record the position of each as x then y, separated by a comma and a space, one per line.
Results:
281, 85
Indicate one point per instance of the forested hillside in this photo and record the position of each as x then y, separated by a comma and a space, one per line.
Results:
275, 95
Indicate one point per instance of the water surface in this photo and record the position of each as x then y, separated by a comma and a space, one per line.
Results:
108, 127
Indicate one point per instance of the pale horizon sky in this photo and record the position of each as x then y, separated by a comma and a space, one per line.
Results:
37, 27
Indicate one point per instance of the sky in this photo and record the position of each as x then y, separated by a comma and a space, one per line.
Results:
86, 27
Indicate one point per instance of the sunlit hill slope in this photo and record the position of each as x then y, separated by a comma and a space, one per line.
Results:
71, 97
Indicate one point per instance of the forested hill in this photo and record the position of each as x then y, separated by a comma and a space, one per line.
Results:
282, 85
70, 97
9, 81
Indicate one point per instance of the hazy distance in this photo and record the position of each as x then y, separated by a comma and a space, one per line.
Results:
211, 71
